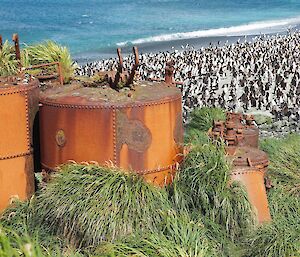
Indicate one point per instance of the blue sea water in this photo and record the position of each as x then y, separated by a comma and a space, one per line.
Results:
100, 25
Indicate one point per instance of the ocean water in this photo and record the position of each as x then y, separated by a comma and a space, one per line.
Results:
99, 26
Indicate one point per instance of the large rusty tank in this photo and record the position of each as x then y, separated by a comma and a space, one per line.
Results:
18, 106
249, 163
138, 129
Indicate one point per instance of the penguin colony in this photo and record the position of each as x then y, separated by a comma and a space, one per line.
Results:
261, 74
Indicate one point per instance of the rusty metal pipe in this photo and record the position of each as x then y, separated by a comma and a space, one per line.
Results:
135, 66
15, 39
169, 73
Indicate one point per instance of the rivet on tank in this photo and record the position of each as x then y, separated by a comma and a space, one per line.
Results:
19, 97
249, 163
134, 125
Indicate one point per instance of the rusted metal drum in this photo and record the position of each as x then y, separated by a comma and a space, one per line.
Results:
18, 107
249, 167
139, 130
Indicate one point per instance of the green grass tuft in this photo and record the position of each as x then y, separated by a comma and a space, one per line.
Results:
48, 52
178, 236
90, 204
280, 238
202, 119
8, 62
203, 185
284, 157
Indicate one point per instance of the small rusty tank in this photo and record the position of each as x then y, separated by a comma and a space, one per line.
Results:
138, 129
19, 100
249, 163
249, 168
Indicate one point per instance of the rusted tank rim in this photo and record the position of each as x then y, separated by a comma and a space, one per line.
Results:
110, 106
247, 170
15, 89
248, 156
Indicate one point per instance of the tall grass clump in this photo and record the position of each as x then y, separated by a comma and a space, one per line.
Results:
203, 186
8, 62
202, 118
279, 238
18, 217
14, 245
90, 204
178, 235
48, 52
284, 165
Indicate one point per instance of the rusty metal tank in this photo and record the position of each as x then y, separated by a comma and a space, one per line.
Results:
249, 168
139, 130
249, 163
18, 107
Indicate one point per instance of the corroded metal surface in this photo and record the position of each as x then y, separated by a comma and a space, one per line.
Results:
141, 131
18, 107
253, 181
248, 156
249, 163
238, 130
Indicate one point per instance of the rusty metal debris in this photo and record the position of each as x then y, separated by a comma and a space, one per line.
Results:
249, 163
238, 130
120, 78
16, 136
42, 77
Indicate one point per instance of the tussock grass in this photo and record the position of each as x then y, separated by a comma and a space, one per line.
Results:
18, 217
284, 166
47, 52
14, 245
8, 62
202, 118
179, 235
280, 238
196, 137
90, 204
203, 185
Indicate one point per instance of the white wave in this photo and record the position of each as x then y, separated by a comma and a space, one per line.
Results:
247, 29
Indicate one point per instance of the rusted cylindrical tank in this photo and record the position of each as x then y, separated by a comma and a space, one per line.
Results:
249, 167
139, 130
249, 163
18, 107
